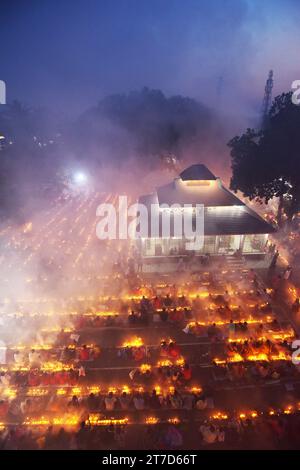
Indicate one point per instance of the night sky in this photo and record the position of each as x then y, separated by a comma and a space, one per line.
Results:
68, 54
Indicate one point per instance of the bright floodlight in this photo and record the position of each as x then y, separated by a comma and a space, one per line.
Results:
80, 177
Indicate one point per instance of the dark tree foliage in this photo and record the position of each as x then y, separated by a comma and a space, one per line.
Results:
266, 163
143, 125
153, 123
29, 158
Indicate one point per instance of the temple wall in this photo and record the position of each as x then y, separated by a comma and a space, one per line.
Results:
214, 245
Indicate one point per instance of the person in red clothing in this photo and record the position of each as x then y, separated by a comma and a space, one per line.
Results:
186, 373
173, 315
61, 378
179, 317
84, 354
46, 379
4, 406
157, 303
173, 350
139, 353
33, 379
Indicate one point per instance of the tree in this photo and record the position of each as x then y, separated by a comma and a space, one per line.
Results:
146, 124
266, 163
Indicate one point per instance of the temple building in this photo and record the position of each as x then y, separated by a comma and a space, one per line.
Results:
230, 226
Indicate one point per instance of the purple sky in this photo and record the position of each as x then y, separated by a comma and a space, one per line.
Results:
68, 54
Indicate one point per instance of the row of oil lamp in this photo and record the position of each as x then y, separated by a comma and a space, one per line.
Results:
260, 357
80, 391
202, 294
95, 419
58, 366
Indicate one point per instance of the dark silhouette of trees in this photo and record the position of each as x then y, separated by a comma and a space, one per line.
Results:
147, 123
29, 157
266, 163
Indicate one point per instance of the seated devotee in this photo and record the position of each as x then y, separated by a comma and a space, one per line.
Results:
164, 315
144, 305
92, 402
167, 301
67, 354
182, 302
176, 316
209, 433
81, 372
263, 370
187, 313
19, 358
110, 402
154, 401
132, 318
33, 378
212, 331
186, 373
172, 439
124, 401
201, 403
275, 375
139, 353
173, 350
175, 400
84, 353
34, 358
188, 401
157, 303
139, 402
74, 402
164, 349
26, 406
95, 353
4, 407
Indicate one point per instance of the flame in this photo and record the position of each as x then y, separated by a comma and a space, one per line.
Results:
145, 367
235, 358
196, 389
55, 366
164, 363
10, 392
288, 410
94, 389
37, 421
281, 356
69, 421
180, 361
94, 420
133, 343
37, 392
220, 415
151, 420
174, 420
257, 357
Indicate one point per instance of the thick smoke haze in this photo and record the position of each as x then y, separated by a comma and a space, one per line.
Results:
68, 55
80, 70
